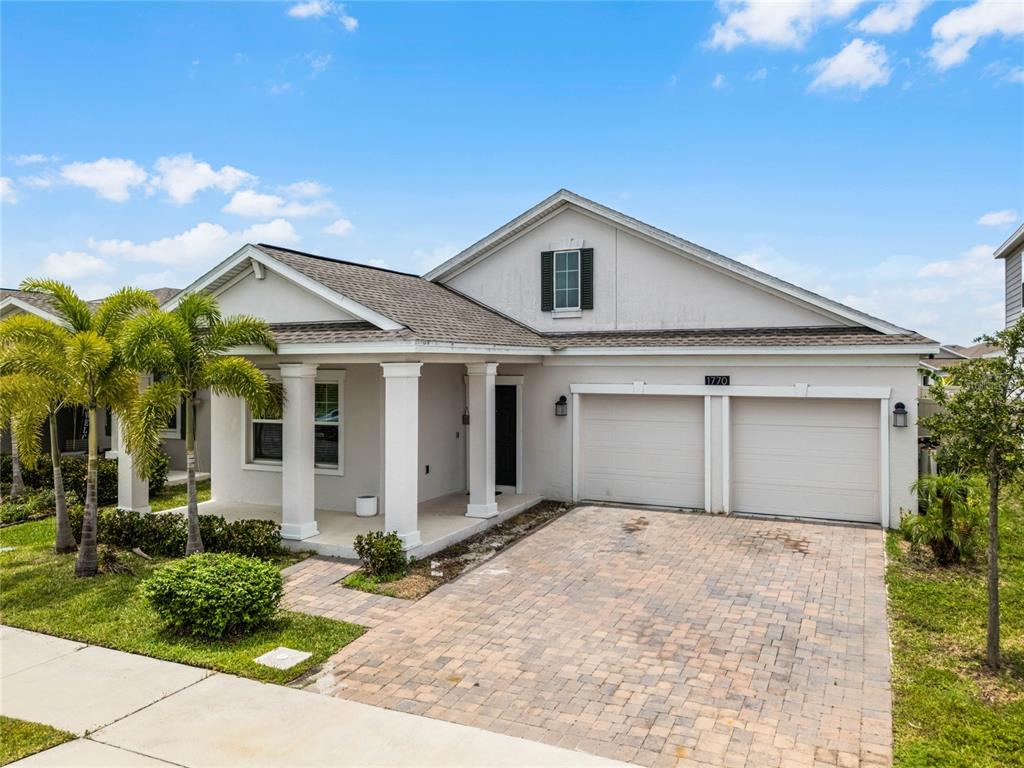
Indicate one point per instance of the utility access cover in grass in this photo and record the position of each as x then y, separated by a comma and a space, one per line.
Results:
282, 658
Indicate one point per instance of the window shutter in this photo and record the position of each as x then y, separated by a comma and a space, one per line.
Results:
547, 281
586, 278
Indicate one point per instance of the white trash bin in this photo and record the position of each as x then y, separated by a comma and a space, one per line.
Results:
366, 506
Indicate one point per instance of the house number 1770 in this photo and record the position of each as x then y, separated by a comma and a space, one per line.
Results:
716, 381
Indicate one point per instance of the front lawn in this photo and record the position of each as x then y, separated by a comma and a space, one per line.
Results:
172, 496
20, 738
948, 709
39, 591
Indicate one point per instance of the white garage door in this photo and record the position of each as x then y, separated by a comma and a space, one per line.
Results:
643, 450
806, 458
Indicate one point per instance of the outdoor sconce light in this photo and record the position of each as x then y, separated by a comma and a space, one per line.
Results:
561, 406
899, 415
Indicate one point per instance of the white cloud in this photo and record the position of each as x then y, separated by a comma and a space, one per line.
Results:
166, 278
1015, 75
43, 180
94, 291
758, 75
859, 65
777, 24
318, 62
956, 33
315, 9
182, 176
278, 88
112, 178
205, 243
71, 265
719, 82
259, 205
892, 17
341, 227
7, 193
306, 188
998, 218
428, 258
972, 267
33, 159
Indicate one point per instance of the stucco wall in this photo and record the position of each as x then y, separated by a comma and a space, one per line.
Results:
277, 300
174, 447
441, 404
547, 438
637, 285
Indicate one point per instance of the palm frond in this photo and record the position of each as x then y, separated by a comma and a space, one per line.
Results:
142, 425
241, 330
118, 307
24, 404
67, 304
88, 354
155, 341
237, 377
25, 328
199, 311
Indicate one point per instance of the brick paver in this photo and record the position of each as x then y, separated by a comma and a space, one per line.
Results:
311, 586
653, 637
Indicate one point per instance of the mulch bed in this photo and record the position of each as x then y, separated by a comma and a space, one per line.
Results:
428, 574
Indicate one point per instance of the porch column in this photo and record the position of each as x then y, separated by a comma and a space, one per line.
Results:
481, 440
298, 470
401, 450
132, 490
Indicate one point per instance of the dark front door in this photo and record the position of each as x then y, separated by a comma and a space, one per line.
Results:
504, 434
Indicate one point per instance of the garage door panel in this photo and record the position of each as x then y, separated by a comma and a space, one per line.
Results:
803, 458
646, 450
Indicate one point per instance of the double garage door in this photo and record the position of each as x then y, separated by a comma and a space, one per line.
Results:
788, 456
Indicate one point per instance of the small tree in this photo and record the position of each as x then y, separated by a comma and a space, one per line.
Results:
102, 376
35, 382
187, 348
980, 428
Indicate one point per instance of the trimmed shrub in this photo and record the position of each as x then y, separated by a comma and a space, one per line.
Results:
165, 535
214, 595
35, 504
382, 554
953, 517
75, 470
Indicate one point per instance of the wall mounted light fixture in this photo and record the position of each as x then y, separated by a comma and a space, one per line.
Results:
561, 406
899, 415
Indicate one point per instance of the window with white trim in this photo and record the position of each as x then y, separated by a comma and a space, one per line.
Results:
265, 434
173, 429
567, 280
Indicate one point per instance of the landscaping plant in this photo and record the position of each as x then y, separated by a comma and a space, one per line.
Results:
980, 428
215, 595
952, 522
186, 349
382, 554
97, 370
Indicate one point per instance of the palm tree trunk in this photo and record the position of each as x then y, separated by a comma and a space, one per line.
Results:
65, 537
85, 565
17, 482
195, 540
992, 640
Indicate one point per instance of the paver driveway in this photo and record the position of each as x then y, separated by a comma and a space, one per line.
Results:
652, 637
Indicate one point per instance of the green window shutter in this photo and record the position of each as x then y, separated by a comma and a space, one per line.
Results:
586, 278
547, 281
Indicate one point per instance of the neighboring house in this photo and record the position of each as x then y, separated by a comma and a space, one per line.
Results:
575, 353
1012, 252
72, 423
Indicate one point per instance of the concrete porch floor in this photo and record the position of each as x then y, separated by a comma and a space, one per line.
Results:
180, 477
442, 522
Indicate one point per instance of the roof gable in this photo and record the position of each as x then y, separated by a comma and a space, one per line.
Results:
564, 199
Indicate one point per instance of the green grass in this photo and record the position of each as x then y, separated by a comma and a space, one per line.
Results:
38, 591
20, 738
177, 496
949, 709
363, 582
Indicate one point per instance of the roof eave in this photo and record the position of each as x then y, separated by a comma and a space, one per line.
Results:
1013, 242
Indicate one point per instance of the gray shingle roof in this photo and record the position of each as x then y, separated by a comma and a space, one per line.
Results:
37, 300
736, 337
332, 333
429, 310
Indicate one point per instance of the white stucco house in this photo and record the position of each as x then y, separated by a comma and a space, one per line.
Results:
574, 353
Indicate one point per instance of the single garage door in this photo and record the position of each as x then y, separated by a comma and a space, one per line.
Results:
643, 449
806, 458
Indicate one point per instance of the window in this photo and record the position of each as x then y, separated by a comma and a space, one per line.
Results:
265, 450
173, 428
567, 280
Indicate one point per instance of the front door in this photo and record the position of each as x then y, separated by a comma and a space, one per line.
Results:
505, 434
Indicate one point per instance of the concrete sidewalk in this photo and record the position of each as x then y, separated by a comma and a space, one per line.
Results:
136, 711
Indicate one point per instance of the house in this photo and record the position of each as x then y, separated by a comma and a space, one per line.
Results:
73, 423
574, 353
1012, 252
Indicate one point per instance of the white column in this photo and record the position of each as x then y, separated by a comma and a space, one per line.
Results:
401, 450
132, 490
298, 471
481, 440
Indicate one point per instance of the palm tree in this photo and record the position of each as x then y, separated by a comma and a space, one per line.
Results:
185, 349
17, 483
36, 385
104, 378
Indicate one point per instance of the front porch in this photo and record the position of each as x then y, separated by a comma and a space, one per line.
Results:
442, 522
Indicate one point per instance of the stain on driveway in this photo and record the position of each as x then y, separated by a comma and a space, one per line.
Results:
654, 637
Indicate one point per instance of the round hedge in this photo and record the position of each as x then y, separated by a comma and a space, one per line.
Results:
213, 595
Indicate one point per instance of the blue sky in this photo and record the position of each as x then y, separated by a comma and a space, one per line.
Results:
871, 153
